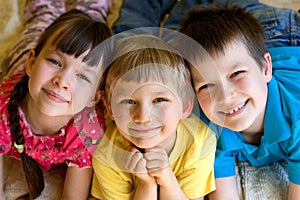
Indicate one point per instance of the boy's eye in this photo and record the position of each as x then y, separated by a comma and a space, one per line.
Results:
53, 61
237, 73
128, 101
160, 99
206, 86
83, 77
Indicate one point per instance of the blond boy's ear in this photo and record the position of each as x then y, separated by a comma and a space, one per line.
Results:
187, 108
30, 62
108, 109
267, 70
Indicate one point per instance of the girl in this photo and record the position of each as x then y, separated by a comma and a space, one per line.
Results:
49, 114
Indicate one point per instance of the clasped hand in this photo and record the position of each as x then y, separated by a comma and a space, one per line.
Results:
151, 166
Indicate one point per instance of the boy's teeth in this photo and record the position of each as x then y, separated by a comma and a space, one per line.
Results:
235, 110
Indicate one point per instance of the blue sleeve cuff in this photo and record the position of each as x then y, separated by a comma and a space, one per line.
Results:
224, 171
224, 164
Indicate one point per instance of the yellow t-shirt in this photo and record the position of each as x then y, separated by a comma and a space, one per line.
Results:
192, 160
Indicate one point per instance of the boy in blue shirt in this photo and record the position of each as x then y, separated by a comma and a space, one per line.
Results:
255, 95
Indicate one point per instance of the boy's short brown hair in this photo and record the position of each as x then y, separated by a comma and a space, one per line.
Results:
216, 26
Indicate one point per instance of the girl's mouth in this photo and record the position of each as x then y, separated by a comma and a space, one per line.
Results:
55, 96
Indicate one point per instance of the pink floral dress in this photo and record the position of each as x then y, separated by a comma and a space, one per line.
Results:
73, 145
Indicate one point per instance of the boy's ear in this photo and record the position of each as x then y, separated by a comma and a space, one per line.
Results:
187, 108
267, 70
98, 96
30, 62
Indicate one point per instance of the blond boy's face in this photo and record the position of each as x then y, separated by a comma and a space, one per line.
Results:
146, 113
232, 91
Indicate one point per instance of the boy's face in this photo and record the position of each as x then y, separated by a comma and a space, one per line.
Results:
147, 114
232, 91
60, 84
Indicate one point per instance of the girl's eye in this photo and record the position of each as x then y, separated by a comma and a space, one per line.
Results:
83, 77
158, 100
53, 61
128, 101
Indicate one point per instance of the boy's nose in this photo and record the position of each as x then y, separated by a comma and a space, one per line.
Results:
228, 92
142, 114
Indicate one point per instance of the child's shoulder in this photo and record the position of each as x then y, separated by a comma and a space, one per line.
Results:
198, 129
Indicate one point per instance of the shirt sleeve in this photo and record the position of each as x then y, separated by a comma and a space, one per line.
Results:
109, 183
294, 155
6, 87
196, 160
225, 159
83, 136
224, 164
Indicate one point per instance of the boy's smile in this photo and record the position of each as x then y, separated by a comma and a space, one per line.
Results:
235, 95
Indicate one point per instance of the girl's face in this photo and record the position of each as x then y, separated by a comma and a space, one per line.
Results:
147, 113
60, 84
232, 91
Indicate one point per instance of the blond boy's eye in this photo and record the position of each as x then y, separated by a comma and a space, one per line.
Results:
128, 101
158, 100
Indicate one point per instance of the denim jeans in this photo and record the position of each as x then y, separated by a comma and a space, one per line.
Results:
281, 25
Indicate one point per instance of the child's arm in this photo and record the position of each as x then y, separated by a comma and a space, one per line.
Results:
2, 196
294, 191
159, 167
145, 190
77, 183
136, 164
226, 189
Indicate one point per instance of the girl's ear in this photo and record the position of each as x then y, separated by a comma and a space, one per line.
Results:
187, 108
267, 70
30, 62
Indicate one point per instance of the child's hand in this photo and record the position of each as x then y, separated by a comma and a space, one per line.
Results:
135, 163
158, 166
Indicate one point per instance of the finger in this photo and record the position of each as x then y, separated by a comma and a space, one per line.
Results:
140, 167
131, 158
154, 165
156, 155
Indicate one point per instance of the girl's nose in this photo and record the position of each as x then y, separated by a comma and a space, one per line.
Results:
62, 80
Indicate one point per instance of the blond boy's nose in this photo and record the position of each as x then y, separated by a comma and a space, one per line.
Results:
142, 114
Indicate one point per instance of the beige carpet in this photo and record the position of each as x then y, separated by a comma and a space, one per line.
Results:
10, 23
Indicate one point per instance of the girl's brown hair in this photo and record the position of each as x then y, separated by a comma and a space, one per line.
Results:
73, 33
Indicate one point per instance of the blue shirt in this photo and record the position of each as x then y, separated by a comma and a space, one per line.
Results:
281, 139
